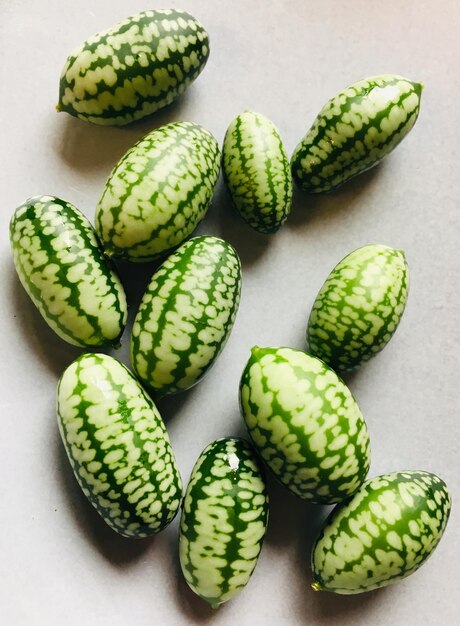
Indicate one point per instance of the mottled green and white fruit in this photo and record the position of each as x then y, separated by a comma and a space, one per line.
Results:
118, 446
62, 266
384, 533
134, 68
224, 518
355, 130
305, 424
257, 172
159, 192
186, 315
359, 307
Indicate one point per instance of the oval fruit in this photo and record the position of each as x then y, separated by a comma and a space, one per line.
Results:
355, 130
159, 192
134, 68
186, 315
305, 424
384, 533
62, 266
118, 446
257, 173
359, 307
224, 519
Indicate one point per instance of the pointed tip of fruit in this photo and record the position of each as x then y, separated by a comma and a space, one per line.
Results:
316, 586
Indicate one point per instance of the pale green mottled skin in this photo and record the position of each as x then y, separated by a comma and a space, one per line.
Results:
159, 192
224, 519
257, 172
305, 424
359, 307
186, 315
61, 265
383, 534
134, 68
355, 130
118, 446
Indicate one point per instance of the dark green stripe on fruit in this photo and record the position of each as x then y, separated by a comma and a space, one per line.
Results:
62, 267
223, 521
383, 534
359, 307
159, 192
117, 445
355, 130
134, 68
186, 315
305, 424
257, 173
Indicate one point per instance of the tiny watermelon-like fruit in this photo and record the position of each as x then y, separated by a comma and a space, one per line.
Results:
355, 130
384, 533
305, 424
134, 68
158, 193
359, 307
224, 519
61, 265
118, 446
257, 173
186, 315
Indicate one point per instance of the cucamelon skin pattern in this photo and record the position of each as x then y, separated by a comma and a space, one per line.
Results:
186, 315
257, 172
134, 68
159, 192
355, 130
359, 307
224, 519
62, 267
384, 533
305, 424
118, 446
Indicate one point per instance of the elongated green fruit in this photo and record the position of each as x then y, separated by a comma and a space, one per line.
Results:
305, 424
359, 307
186, 315
384, 533
355, 130
224, 518
257, 172
118, 446
134, 68
159, 192
62, 266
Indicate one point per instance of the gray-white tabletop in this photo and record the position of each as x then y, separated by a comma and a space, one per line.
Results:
60, 564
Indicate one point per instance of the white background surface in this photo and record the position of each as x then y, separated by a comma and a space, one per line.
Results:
59, 563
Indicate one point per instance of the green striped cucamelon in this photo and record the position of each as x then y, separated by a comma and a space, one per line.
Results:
186, 315
134, 68
355, 130
62, 266
224, 519
158, 193
305, 424
384, 533
257, 173
359, 307
118, 446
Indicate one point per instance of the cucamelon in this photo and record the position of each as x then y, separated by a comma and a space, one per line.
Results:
186, 315
305, 423
224, 519
158, 193
134, 68
62, 267
384, 533
359, 307
118, 446
355, 130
